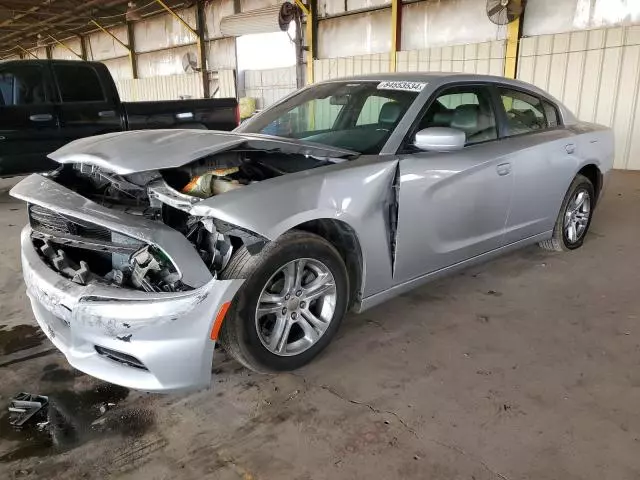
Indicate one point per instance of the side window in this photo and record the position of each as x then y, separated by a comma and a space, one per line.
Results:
551, 112
78, 83
464, 108
21, 85
371, 109
525, 113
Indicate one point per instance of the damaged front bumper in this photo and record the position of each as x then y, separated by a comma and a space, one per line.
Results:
155, 342
150, 341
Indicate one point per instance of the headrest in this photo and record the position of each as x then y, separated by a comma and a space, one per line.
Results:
390, 112
442, 119
465, 118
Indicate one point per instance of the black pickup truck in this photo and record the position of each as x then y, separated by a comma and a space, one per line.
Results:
47, 103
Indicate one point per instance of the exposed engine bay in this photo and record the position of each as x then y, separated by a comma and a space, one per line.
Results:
87, 253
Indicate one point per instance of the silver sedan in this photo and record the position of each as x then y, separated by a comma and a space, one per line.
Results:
144, 249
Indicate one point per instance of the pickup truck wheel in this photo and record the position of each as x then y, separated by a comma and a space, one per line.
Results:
574, 218
290, 306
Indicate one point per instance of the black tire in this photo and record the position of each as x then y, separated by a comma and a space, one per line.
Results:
559, 242
239, 336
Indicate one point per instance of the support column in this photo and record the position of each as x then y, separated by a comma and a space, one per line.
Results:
396, 32
133, 58
201, 28
310, 13
47, 49
514, 33
83, 47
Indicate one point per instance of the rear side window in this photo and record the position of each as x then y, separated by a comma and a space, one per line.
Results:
525, 112
78, 83
551, 112
21, 85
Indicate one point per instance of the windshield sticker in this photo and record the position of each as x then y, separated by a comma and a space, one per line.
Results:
400, 85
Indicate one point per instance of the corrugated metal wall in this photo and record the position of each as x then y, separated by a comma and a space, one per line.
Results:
268, 86
329, 68
174, 87
596, 74
168, 87
483, 58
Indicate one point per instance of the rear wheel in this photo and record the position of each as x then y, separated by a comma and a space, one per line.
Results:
290, 306
574, 218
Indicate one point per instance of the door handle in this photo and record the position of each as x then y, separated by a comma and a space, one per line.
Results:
41, 117
570, 148
107, 113
503, 169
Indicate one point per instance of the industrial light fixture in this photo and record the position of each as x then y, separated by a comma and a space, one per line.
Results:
40, 41
132, 14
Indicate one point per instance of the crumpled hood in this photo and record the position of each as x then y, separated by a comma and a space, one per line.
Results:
144, 150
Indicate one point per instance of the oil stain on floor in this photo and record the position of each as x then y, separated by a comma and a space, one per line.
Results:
20, 337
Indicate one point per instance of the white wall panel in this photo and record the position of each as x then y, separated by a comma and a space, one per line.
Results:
101, 46
164, 62
223, 84
330, 68
214, 12
483, 58
355, 35
452, 22
170, 87
336, 7
120, 68
221, 54
39, 52
61, 53
269, 86
558, 16
596, 74
246, 5
164, 31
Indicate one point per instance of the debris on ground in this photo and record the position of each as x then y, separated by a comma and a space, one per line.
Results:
25, 406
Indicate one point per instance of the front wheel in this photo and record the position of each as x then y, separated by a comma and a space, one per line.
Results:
574, 218
290, 306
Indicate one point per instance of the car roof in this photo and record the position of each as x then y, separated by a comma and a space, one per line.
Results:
441, 77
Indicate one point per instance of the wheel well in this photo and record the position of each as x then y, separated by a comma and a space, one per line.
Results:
592, 172
344, 239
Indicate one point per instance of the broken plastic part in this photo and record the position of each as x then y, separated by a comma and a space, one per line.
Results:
142, 263
25, 406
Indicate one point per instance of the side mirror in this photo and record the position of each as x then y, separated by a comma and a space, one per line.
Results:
440, 139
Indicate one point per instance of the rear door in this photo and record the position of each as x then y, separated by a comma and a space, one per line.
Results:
453, 206
28, 119
542, 160
87, 106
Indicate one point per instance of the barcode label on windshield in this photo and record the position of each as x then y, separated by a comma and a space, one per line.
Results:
400, 85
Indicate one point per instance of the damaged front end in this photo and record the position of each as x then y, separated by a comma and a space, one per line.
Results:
122, 268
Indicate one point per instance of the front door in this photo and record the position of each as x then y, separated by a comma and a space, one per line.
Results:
28, 120
84, 103
453, 206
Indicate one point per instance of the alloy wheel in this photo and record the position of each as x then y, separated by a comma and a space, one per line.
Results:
576, 217
296, 306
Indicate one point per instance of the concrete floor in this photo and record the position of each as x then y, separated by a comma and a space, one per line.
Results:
527, 367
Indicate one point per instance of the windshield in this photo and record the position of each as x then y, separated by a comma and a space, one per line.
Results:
356, 115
